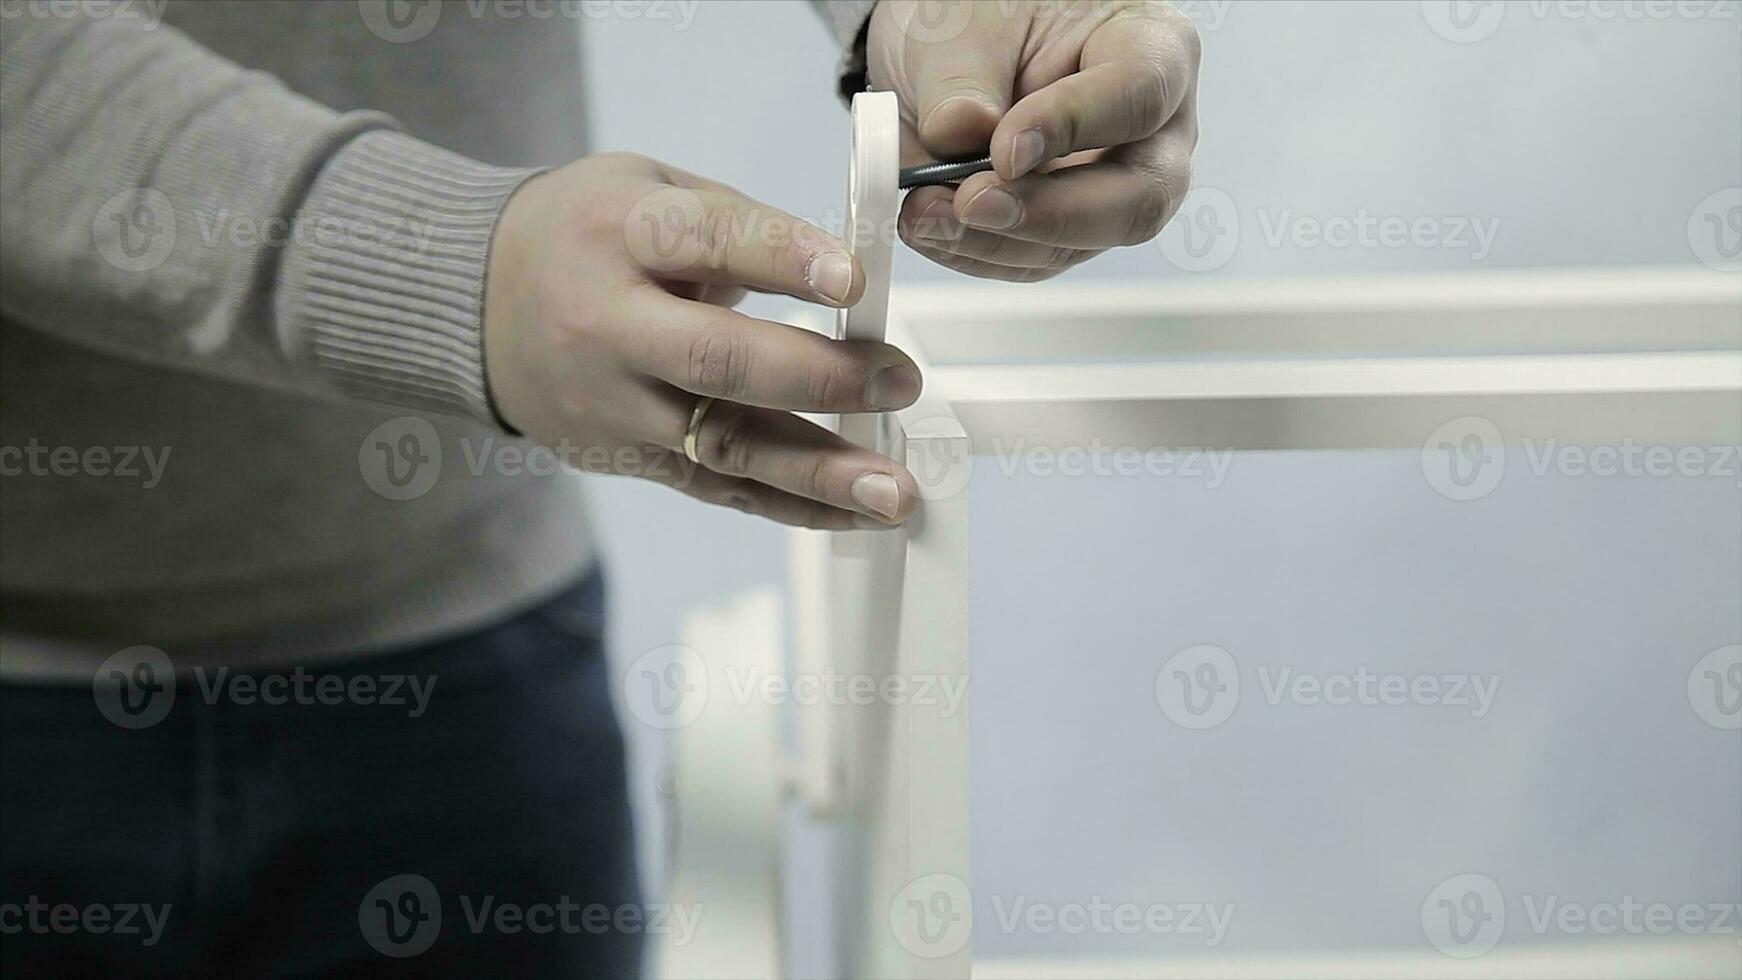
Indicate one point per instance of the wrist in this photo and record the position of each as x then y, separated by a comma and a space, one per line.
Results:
508, 272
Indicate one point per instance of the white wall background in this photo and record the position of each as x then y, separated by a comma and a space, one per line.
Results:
1581, 134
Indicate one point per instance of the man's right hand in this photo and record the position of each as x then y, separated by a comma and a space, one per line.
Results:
606, 317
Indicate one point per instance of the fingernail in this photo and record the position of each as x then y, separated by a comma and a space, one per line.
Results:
831, 274
1025, 150
877, 492
893, 387
938, 223
993, 208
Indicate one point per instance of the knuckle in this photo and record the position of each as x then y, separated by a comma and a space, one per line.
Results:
740, 499
1182, 27
945, 85
1001, 249
814, 477
715, 234
1071, 113
1191, 41
1022, 254
1181, 186
824, 518
1148, 215
719, 363
1053, 224
733, 444
1034, 275
786, 253
835, 386
624, 158
1059, 258
1165, 187
582, 221
1143, 101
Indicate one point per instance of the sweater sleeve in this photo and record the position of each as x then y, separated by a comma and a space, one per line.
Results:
847, 20
161, 204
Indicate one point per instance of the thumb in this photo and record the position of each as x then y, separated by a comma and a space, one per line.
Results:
959, 65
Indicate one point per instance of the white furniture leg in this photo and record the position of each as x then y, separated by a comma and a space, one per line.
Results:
726, 764
917, 917
888, 761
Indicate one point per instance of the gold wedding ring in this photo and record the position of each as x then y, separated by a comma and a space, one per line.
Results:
697, 414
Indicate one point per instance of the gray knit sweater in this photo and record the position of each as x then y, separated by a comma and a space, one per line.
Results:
243, 415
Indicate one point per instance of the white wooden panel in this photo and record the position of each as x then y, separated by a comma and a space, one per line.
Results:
1653, 355
1535, 311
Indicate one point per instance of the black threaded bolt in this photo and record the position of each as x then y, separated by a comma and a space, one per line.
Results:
948, 172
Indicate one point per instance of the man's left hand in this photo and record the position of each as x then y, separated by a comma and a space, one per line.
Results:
1090, 111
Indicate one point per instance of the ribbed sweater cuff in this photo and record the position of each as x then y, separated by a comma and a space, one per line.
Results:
383, 285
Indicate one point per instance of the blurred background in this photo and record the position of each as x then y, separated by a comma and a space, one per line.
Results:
1518, 135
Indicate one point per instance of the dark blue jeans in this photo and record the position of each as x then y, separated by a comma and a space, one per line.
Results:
458, 809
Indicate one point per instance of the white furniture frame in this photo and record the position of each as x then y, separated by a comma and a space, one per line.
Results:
1592, 356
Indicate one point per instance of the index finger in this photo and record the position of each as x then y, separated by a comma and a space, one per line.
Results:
714, 234
724, 354
1136, 71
